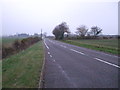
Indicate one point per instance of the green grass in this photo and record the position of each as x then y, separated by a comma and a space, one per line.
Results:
0, 63
106, 45
0, 74
7, 42
23, 69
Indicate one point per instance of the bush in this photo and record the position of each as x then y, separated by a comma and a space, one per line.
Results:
19, 45
16, 45
7, 51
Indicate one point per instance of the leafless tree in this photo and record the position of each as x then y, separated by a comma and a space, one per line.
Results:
96, 30
82, 30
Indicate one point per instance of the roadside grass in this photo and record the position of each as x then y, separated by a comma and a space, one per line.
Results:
23, 69
0, 74
0, 63
107, 45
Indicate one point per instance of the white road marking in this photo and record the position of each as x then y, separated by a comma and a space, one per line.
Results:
68, 78
54, 60
46, 45
48, 52
50, 55
107, 62
77, 51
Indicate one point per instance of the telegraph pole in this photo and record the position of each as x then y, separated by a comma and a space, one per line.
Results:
41, 33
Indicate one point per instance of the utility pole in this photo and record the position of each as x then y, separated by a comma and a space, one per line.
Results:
41, 33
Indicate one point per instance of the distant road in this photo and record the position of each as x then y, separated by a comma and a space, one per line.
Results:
69, 66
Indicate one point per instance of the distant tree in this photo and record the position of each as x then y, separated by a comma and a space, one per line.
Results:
60, 29
95, 30
22, 35
82, 30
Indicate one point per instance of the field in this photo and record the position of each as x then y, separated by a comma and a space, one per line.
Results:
8, 41
106, 45
23, 69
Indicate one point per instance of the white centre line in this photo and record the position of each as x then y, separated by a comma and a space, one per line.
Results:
77, 51
53, 60
50, 55
107, 62
46, 45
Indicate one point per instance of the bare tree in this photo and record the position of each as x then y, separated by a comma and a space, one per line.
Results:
82, 30
96, 30
60, 29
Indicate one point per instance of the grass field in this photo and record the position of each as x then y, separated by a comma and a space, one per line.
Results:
8, 41
106, 45
23, 69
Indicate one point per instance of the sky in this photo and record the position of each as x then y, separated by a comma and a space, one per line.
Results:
30, 16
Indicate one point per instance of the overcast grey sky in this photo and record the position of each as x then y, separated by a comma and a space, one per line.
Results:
29, 16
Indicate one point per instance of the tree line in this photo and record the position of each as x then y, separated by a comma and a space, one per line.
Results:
81, 31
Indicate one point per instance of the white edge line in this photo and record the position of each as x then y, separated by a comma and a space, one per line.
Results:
66, 74
107, 62
46, 45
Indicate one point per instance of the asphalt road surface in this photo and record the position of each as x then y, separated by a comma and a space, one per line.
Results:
69, 66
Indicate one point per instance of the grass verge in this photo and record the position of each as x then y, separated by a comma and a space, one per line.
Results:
0, 74
98, 47
23, 69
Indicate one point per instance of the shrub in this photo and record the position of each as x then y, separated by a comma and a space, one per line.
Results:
19, 45
16, 45
6, 51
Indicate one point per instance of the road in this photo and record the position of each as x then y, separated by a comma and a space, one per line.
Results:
69, 66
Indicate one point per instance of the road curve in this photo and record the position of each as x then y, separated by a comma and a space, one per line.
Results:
69, 66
